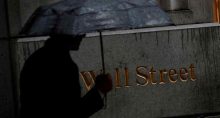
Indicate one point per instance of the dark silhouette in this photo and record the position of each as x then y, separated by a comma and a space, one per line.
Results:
49, 83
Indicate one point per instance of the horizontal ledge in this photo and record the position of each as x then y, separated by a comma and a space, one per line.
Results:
133, 31
184, 11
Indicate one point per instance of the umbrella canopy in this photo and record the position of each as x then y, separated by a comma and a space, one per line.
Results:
75, 17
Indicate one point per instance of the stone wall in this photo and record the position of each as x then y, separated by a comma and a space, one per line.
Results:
200, 11
3, 24
133, 100
6, 90
192, 53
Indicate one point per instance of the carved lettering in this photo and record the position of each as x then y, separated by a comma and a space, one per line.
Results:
88, 79
117, 78
142, 79
183, 74
126, 77
192, 72
152, 77
162, 75
173, 76
144, 76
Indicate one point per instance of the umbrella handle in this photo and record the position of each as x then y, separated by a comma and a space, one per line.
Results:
103, 66
102, 52
105, 101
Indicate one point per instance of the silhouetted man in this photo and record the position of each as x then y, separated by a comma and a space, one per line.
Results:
49, 83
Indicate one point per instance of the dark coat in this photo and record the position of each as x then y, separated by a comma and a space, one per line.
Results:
49, 87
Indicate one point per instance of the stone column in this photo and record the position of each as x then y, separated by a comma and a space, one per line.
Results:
9, 26
6, 91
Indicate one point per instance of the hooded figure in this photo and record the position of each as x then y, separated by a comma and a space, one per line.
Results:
49, 83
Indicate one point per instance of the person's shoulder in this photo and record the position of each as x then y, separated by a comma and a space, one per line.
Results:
38, 53
38, 56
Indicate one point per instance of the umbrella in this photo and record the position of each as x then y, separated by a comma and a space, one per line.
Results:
75, 17
82, 16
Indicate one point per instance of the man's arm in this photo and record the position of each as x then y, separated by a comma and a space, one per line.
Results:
91, 103
93, 100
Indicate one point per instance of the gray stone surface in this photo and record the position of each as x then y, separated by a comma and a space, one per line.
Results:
213, 116
165, 50
200, 11
160, 50
27, 7
3, 20
6, 97
6, 92
14, 17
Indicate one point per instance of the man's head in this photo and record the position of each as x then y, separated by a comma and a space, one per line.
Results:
68, 42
